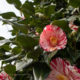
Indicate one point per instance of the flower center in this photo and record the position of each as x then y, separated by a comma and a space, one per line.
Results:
61, 77
53, 40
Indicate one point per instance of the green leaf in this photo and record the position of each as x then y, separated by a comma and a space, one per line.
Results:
26, 41
23, 28
37, 1
34, 54
28, 9
2, 38
75, 3
17, 29
49, 10
58, 15
38, 29
40, 71
16, 50
25, 21
10, 69
20, 27
62, 24
6, 47
16, 3
16, 26
13, 32
8, 15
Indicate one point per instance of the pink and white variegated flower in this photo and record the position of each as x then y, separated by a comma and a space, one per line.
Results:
52, 38
4, 76
73, 26
62, 70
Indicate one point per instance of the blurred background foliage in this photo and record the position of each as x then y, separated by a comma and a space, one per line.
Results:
26, 60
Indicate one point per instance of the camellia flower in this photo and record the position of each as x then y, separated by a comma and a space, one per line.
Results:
4, 76
73, 26
62, 70
52, 38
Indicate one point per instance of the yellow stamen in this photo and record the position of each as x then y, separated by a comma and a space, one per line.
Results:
61, 77
53, 40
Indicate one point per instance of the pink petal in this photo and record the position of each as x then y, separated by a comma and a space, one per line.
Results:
72, 26
63, 68
4, 76
52, 31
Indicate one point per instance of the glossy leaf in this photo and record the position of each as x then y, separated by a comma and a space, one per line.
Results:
63, 24
41, 70
28, 9
16, 3
8, 15
16, 50
34, 54
10, 69
50, 10
75, 3
26, 41
1, 38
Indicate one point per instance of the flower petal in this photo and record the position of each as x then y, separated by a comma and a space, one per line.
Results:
62, 70
52, 38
